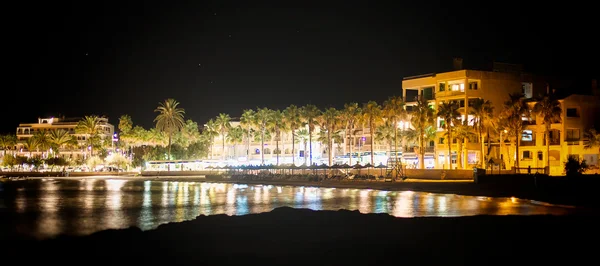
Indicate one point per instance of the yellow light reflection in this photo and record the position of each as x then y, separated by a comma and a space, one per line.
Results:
365, 201
403, 205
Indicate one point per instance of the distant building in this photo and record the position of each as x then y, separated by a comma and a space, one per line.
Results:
28, 130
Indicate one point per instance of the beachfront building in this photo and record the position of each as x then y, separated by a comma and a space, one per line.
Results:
244, 153
567, 138
47, 127
463, 86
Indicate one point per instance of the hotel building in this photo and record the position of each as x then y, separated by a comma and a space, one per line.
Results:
28, 130
462, 86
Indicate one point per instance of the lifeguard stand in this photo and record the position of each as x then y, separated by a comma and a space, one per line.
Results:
395, 170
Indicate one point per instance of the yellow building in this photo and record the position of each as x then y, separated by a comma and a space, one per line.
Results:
463, 86
567, 138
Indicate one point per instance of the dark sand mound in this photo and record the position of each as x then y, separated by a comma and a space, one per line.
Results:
290, 236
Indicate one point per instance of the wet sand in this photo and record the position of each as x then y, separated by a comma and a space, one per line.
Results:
288, 236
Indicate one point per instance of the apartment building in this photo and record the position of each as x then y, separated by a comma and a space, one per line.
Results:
567, 138
463, 86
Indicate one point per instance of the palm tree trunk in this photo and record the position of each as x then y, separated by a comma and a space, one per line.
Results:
305, 158
223, 150
310, 143
482, 143
262, 147
517, 142
293, 148
212, 147
395, 143
422, 148
351, 142
277, 150
372, 129
548, 147
459, 154
329, 146
449, 148
169, 154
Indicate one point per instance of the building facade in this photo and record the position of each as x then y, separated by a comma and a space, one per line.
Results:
28, 130
243, 153
567, 136
463, 86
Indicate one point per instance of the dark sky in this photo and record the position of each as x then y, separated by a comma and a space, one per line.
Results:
113, 58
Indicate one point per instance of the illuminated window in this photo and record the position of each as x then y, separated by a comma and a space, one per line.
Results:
458, 87
527, 135
527, 89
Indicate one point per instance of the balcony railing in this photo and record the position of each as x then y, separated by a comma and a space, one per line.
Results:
528, 143
552, 142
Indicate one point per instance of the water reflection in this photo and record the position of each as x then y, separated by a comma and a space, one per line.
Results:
86, 206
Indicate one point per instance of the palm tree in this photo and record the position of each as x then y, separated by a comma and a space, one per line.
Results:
512, 119
277, 125
482, 111
372, 115
350, 115
223, 124
247, 122
89, 127
422, 118
303, 136
292, 117
169, 120
61, 138
211, 131
309, 115
393, 110
42, 138
386, 132
462, 132
7, 142
262, 118
329, 123
448, 111
593, 139
235, 136
31, 144
548, 107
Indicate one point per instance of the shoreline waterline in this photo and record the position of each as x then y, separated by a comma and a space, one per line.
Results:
455, 187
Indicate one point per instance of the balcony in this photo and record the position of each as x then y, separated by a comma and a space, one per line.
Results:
527, 143
552, 142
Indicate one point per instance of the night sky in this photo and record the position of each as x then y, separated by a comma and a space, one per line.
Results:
115, 58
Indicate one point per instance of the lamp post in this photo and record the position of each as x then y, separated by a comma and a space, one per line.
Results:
114, 139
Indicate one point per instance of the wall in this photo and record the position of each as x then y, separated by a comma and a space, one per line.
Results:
436, 174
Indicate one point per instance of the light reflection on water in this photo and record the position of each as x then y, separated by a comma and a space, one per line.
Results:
45, 208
